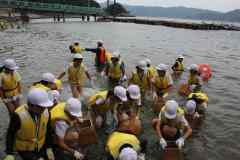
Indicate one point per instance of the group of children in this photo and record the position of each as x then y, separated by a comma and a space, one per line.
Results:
46, 128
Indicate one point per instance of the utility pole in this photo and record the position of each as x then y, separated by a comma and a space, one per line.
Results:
107, 3
114, 2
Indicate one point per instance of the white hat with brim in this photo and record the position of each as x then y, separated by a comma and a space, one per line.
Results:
134, 92
171, 109
120, 92
162, 67
128, 154
142, 65
48, 77
135, 97
191, 106
115, 54
180, 57
77, 56
193, 67
74, 107
10, 64
170, 116
39, 97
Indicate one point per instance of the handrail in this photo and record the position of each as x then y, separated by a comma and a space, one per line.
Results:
51, 7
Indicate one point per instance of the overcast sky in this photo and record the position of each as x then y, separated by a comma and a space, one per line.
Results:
219, 5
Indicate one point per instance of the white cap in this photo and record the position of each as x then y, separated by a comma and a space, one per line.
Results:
134, 91
54, 95
48, 77
116, 54
171, 109
180, 57
100, 41
10, 64
38, 96
128, 154
121, 93
191, 106
142, 64
99, 101
77, 56
162, 67
148, 61
193, 67
74, 107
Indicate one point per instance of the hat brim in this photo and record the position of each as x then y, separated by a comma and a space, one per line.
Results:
124, 99
13, 68
168, 116
47, 104
79, 114
135, 97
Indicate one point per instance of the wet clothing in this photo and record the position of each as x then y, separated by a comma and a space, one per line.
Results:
9, 83
178, 67
15, 126
114, 72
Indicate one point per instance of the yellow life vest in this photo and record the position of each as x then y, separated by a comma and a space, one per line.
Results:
108, 57
193, 79
152, 72
76, 75
29, 137
118, 139
115, 71
77, 49
58, 113
41, 86
164, 120
179, 67
58, 83
100, 108
161, 83
142, 82
201, 96
9, 84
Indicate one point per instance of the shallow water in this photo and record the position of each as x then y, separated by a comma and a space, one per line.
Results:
44, 47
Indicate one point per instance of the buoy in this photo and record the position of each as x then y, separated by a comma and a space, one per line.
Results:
205, 71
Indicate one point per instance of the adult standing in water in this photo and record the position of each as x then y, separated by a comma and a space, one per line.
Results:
10, 86
29, 129
77, 73
100, 59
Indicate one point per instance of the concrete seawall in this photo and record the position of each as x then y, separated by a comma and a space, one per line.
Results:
185, 25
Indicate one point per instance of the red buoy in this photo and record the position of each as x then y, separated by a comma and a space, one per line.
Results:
205, 71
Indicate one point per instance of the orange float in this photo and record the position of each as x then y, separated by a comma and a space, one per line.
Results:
205, 71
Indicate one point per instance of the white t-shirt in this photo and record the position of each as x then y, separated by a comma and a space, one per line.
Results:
61, 128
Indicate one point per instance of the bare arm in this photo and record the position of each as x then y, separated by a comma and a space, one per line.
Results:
19, 87
88, 75
61, 75
62, 144
188, 132
158, 130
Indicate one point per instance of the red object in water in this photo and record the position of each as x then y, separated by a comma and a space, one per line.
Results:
205, 71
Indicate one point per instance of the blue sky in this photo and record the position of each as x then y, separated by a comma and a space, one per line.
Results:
219, 5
